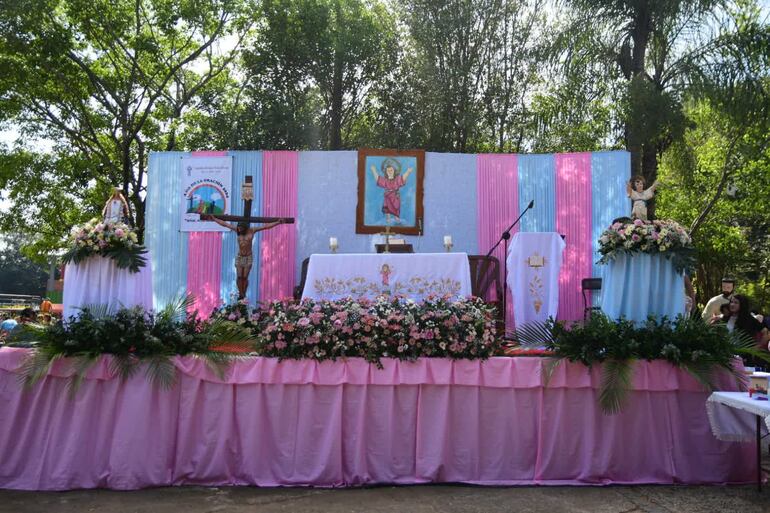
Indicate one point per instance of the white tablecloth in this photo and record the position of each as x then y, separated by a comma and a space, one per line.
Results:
733, 415
415, 276
98, 280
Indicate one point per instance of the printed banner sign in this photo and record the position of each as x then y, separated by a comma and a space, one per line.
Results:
206, 189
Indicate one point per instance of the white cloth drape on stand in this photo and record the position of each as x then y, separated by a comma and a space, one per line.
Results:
534, 261
98, 280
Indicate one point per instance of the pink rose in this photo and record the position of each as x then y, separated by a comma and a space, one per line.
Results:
119, 232
304, 321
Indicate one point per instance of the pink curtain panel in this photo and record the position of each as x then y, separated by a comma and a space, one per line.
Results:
280, 173
204, 262
573, 219
498, 205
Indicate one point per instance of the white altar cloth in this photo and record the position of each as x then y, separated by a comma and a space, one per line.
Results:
415, 276
98, 280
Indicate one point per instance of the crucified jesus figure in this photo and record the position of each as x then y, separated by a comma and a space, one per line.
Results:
245, 258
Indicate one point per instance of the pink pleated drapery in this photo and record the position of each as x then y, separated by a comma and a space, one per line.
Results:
498, 205
280, 173
204, 262
272, 423
204, 270
573, 219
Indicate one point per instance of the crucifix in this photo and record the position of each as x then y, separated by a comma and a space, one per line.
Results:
387, 233
245, 233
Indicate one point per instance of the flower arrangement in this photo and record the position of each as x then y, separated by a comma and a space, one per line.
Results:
660, 236
113, 240
386, 327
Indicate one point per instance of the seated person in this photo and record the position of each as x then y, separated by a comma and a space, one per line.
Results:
712, 307
7, 326
739, 317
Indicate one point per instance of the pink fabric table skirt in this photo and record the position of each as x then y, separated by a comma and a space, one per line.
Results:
341, 423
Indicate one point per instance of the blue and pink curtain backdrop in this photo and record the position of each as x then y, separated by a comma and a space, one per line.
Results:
473, 198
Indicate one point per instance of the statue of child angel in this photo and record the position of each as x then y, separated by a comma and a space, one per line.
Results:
639, 196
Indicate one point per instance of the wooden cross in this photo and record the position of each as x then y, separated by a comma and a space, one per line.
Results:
247, 193
244, 259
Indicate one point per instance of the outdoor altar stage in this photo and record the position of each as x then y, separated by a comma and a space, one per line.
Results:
345, 423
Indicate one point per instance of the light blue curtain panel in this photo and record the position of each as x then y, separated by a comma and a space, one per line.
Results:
450, 204
639, 285
167, 245
326, 204
537, 181
245, 163
610, 170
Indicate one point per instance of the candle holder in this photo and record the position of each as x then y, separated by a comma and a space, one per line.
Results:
448, 243
333, 244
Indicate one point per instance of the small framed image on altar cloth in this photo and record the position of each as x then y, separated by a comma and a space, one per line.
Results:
390, 191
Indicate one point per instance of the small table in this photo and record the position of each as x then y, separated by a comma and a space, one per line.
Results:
730, 417
366, 276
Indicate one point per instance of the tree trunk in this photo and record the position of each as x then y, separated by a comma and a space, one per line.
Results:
640, 34
335, 135
649, 171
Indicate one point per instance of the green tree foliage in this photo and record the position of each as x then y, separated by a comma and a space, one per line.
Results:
649, 41
107, 81
310, 68
717, 176
19, 274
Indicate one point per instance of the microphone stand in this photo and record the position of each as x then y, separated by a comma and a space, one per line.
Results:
506, 235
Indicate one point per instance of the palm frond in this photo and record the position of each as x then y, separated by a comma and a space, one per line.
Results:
228, 333
124, 366
548, 368
535, 333
36, 366
98, 310
80, 366
616, 384
177, 308
219, 363
161, 371
703, 371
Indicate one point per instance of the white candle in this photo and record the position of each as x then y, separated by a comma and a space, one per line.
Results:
332, 242
447, 240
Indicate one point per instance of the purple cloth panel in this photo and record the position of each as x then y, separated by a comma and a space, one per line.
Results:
128, 435
573, 219
280, 170
498, 205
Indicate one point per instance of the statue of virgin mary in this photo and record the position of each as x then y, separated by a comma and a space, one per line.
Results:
116, 208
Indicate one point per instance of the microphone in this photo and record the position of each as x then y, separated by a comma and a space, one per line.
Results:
507, 233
